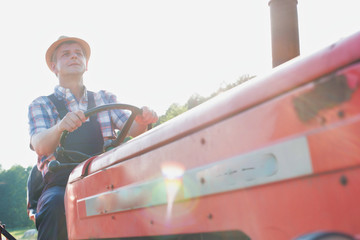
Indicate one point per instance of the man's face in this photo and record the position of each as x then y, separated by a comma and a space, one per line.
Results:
69, 60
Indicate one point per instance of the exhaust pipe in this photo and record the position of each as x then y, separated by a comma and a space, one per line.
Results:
284, 30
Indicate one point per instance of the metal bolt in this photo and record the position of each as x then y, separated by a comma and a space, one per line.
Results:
343, 180
341, 114
322, 120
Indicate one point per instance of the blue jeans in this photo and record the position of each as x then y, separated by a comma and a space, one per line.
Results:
50, 219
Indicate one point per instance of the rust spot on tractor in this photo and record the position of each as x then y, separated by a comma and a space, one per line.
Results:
328, 92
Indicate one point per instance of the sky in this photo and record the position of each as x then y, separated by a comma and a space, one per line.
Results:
147, 52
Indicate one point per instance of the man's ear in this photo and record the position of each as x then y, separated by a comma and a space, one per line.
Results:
53, 68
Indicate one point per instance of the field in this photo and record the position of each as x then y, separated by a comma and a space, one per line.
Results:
19, 233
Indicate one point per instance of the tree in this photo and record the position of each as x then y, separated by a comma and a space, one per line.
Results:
194, 101
13, 210
176, 109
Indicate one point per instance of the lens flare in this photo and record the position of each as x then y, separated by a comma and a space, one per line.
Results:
173, 173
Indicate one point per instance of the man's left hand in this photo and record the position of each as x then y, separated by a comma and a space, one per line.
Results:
148, 116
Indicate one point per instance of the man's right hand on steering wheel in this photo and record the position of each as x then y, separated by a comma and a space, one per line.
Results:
71, 121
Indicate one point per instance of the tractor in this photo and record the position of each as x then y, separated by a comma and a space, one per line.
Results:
277, 157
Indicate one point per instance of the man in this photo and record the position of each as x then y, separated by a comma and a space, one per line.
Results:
68, 58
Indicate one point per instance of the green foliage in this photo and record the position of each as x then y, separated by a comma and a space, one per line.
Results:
176, 109
195, 100
242, 79
173, 111
13, 211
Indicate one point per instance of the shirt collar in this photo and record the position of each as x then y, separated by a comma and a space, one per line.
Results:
65, 93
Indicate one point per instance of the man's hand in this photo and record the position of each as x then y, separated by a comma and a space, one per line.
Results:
148, 116
72, 121
31, 214
46, 141
142, 121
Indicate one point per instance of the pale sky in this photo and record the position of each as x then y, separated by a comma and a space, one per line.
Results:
147, 52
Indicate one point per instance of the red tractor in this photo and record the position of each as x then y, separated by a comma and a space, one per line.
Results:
277, 157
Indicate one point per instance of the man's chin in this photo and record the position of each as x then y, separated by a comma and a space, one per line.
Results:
74, 73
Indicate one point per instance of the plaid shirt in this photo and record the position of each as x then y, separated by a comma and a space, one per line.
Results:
43, 115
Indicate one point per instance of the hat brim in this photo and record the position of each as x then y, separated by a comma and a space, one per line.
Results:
53, 47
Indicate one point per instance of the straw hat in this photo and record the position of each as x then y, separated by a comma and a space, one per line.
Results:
50, 52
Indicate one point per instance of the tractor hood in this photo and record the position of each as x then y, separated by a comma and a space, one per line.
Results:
294, 73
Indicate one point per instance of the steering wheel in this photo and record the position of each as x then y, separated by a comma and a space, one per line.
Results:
54, 165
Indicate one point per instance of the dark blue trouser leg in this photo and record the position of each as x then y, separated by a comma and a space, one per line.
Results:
50, 219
